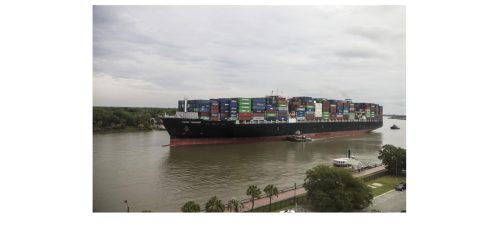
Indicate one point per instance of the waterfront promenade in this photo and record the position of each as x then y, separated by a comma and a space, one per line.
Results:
247, 206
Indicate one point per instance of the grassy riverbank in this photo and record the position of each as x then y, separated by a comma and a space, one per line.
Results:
388, 183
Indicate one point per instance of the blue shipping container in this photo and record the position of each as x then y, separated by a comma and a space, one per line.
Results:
259, 104
282, 118
223, 100
233, 104
270, 108
258, 101
258, 107
215, 103
258, 111
214, 114
270, 118
282, 111
233, 114
223, 118
224, 111
204, 110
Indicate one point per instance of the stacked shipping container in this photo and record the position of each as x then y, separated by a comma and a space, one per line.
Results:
279, 108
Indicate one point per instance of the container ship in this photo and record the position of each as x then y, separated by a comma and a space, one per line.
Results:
270, 118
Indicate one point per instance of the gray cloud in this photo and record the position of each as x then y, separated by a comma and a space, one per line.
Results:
154, 55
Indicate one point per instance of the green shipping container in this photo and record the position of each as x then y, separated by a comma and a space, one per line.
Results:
282, 105
232, 118
309, 112
196, 109
244, 110
300, 109
243, 99
244, 103
270, 115
205, 118
326, 113
310, 106
245, 107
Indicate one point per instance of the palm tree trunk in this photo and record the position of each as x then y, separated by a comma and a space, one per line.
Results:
252, 206
270, 203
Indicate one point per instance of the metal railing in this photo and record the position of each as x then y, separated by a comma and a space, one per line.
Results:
374, 176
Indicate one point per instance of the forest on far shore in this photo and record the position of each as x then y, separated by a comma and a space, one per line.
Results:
116, 118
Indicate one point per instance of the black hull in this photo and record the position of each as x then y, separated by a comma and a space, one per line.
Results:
179, 128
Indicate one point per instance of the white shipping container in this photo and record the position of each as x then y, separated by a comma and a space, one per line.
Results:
188, 115
258, 118
339, 115
301, 118
283, 108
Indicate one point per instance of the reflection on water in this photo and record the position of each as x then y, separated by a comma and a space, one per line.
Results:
134, 166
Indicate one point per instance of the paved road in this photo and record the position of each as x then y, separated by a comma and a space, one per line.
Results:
393, 201
283, 196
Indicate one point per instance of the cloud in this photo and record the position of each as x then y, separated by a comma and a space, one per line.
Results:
231, 51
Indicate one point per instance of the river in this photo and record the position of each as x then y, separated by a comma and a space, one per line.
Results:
134, 167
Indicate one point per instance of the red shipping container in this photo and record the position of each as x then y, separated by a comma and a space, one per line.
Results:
244, 114
310, 103
300, 106
244, 118
318, 118
214, 111
224, 115
271, 111
204, 114
214, 118
282, 115
258, 114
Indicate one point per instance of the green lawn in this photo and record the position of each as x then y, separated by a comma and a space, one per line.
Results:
388, 182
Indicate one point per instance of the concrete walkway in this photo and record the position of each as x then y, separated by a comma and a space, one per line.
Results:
247, 206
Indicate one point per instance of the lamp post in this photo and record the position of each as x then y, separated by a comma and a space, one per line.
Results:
127, 205
295, 185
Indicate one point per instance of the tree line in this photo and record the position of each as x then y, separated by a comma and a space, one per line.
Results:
127, 117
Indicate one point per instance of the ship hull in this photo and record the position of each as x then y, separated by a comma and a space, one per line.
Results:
193, 132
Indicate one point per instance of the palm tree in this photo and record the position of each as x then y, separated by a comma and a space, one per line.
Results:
270, 190
191, 206
253, 192
214, 205
235, 204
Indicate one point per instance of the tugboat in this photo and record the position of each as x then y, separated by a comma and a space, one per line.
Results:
394, 127
298, 137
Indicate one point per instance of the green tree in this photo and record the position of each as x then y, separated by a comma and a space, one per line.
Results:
214, 205
270, 191
254, 193
333, 189
141, 126
235, 204
191, 206
394, 158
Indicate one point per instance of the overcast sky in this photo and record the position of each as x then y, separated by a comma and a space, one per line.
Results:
151, 56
